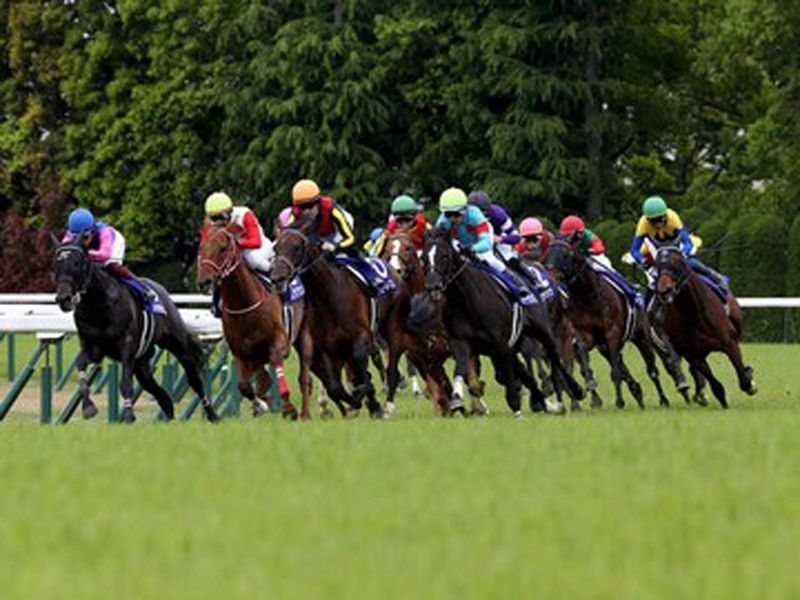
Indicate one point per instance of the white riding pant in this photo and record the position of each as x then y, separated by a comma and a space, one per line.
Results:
260, 259
506, 251
492, 260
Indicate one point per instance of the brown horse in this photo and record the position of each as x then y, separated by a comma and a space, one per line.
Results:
252, 321
427, 351
602, 318
343, 317
698, 322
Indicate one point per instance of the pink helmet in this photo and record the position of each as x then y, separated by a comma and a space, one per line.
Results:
572, 224
531, 226
283, 218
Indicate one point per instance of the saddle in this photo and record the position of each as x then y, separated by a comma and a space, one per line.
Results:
634, 297
540, 281
720, 291
371, 274
146, 296
506, 283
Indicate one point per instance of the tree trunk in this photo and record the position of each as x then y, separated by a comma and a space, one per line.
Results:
592, 117
338, 11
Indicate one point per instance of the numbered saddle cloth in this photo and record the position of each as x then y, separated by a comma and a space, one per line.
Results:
542, 285
296, 292
634, 297
506, 283
372, 274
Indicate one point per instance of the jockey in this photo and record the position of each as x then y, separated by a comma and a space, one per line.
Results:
662, 224
106, 246
590, 243
333, 226
467, 224
374, 236
256, 247
535, 239
284, 218
503, 229
406, 216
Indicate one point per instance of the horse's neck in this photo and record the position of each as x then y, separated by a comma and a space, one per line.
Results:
586, 287
98, 288
240, 289
694, 294
322, 281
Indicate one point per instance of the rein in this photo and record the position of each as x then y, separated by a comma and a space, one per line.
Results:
80, 288
574, 277
231, 262
305, 264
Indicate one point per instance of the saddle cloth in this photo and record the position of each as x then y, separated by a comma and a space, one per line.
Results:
371, 274
138, 287
542, 284
506, 283
720, 291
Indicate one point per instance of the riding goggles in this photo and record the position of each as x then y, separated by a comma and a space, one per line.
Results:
533, 239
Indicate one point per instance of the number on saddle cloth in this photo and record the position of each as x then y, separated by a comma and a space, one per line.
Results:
542, 285
372, 274
507, 283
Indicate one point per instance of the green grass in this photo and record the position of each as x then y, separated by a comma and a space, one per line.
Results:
689, 502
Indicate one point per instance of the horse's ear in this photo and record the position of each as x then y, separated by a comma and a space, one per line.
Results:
54, 240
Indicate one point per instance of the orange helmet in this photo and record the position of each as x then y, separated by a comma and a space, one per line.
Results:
305, 191
572, 224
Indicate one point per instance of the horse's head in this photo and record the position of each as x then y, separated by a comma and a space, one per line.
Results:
72, 269
441, 261
295, 251
218, 255
672, 271
401, 254
563, 260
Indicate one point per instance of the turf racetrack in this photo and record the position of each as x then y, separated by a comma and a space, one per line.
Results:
687, 502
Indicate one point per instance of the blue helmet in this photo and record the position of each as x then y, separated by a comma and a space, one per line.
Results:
481, 200
375, 234
81, 221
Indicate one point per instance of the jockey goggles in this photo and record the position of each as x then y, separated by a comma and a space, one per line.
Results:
537, 238
219, 218
404, 219
454, 214
660, 220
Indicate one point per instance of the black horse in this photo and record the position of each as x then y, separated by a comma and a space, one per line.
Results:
111, 324
482, 320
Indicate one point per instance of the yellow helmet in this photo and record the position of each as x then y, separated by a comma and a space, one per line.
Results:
305, 191
218, 202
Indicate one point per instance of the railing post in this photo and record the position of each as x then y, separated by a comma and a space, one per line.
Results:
59, 358
19, 382
46, 390
113, 392
12, 371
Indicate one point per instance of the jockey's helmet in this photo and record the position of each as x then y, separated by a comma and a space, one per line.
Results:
453, 200
481, 200
404, 205
572, 224
654, 207
217, 203
305, 192
530, 227
81, 221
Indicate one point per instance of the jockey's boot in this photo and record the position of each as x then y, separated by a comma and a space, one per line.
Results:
264, 277
717, 278
515, 271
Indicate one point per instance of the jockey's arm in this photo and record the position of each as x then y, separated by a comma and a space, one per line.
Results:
105, 247
596, 245
685, 241
484, 242
377, 248
636, 249
251, 238
343, 226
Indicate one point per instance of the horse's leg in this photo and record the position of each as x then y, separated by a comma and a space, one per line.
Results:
305, 351
332, 380
615, 362
582, 355
476, 387
504, 372
245, 372
644, 344
361, 350
705, 370
529, 353
700, 396
461, 353
195, 379
745, 373
88, 408
412, 375
376, 356
144, 374
544, 336
671, 360
633, 385
396, 347
538, 402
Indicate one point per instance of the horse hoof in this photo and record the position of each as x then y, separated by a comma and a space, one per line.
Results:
402, 384
753, 389
325, 413
517, 414
555, 408
479, 407
575, 406
664, 403
620, 404
89, 410
290, 415
701, 399
389, 410
211, 415
460, 410
128, 416
547, 388
351, 413
260, 407
597, 401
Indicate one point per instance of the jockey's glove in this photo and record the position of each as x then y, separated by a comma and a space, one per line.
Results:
328, 247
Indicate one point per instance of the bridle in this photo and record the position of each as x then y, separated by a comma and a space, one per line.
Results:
445, 281
664, 267
231, 260
79, 286
305, 264
571, 253
399, 239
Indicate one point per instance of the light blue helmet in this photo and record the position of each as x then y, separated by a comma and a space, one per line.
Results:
375, 234
81, 221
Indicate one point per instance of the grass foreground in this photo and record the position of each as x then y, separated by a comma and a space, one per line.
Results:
686, 502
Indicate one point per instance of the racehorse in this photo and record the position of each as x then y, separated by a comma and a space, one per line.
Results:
111, 324
253, 322
602, 317
429, 350
342, 316
482, 320
698, 322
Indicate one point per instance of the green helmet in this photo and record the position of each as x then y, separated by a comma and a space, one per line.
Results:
452, 200
654, 207
404, 205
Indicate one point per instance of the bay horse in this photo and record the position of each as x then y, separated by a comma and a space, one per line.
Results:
482, 320
253, 322
342, 321
112, 324
427, 350
602, 318
698, 322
